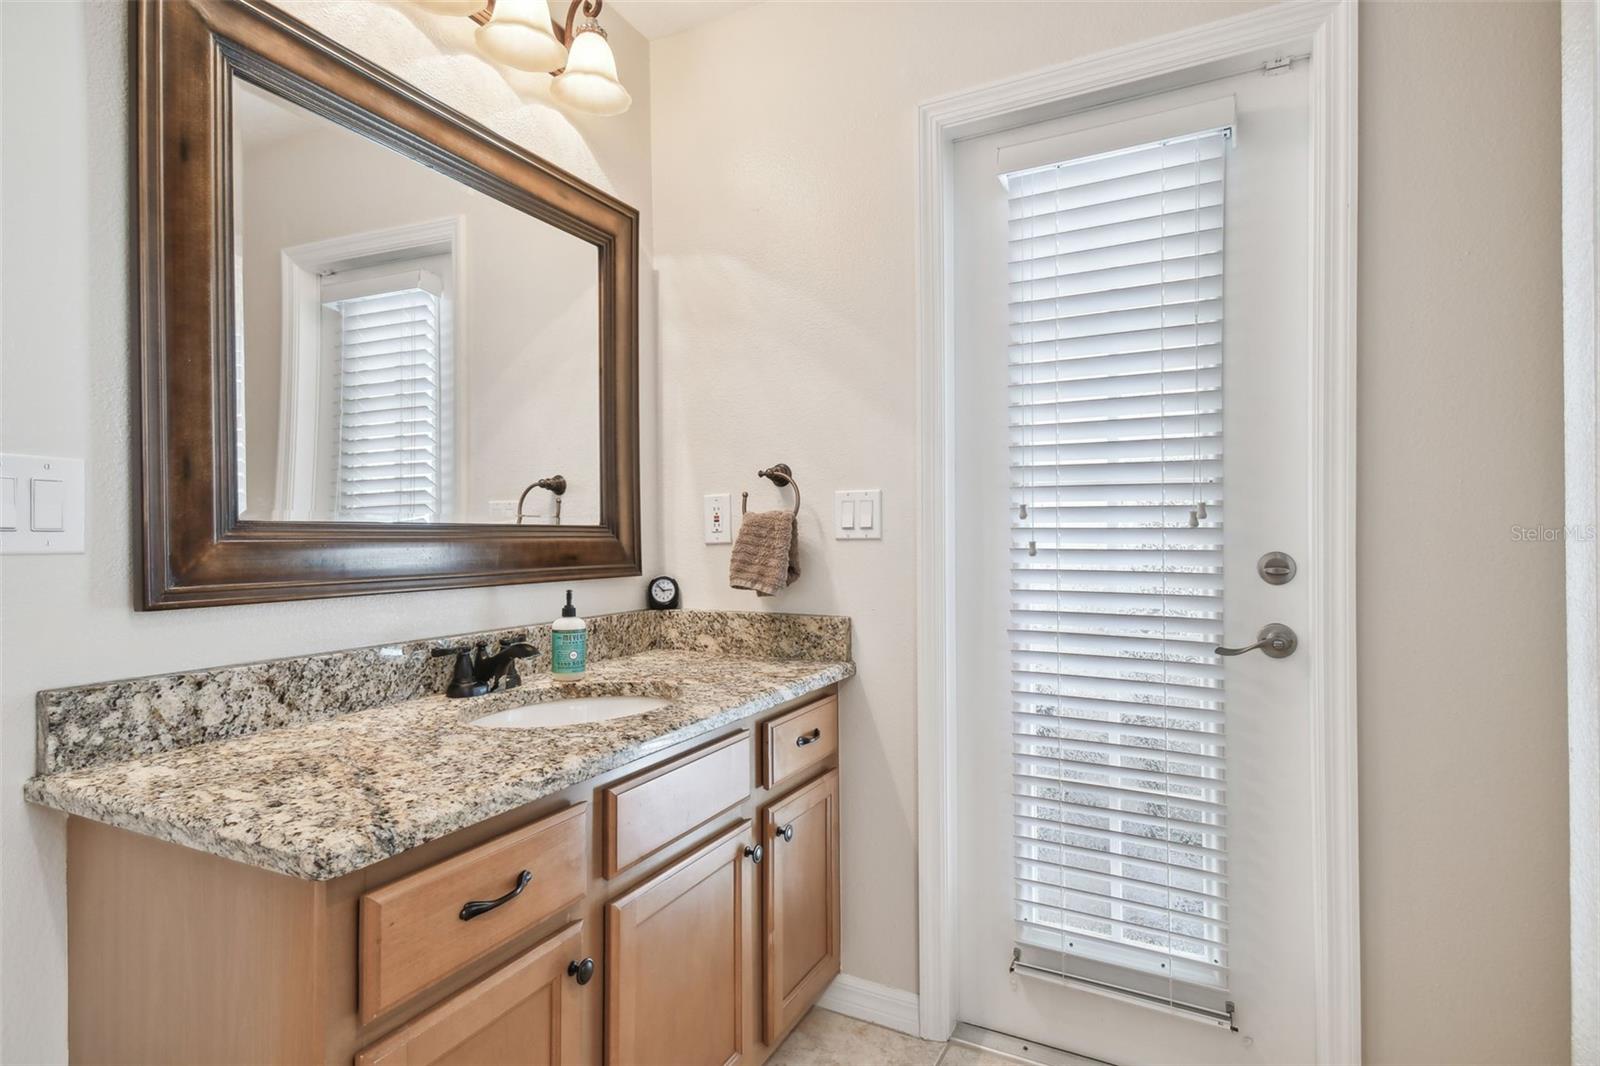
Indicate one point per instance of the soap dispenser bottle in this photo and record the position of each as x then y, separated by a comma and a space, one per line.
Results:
569, 644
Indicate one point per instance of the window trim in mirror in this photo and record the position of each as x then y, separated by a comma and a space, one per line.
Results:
196, 550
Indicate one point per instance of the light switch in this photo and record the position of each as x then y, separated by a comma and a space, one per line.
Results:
8, 503
48, 514
42, 503
858, 514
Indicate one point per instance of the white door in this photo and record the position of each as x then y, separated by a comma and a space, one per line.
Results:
1131, 431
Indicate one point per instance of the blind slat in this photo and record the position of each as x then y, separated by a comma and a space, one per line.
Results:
1040, 862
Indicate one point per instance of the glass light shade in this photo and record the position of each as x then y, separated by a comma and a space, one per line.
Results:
518, 34
464, 8
590, 81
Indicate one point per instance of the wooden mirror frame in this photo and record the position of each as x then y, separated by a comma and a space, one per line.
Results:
197, 551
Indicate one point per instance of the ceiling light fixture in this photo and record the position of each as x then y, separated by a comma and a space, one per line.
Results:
589, 82
521, 34
518, 33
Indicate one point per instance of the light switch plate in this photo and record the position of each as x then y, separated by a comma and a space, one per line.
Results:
858, 514
718, 519
8, 504
45, 508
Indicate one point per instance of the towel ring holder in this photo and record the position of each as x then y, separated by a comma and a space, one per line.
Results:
780, 475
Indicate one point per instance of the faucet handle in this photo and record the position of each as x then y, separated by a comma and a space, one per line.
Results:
463, 681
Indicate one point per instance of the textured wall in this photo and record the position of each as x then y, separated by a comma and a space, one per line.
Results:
66, 370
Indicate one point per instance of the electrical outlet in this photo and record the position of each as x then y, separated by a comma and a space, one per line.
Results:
718, 519
502, 510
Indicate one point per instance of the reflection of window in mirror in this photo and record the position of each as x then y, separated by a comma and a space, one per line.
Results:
498, 384
368, 418
384, 329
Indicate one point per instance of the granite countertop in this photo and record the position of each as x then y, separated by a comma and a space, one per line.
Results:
325, 798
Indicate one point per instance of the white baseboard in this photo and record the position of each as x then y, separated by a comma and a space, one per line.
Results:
892, 1008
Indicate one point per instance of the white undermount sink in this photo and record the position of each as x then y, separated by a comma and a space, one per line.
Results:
574, 711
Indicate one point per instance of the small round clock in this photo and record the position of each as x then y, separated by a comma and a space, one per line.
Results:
663, 594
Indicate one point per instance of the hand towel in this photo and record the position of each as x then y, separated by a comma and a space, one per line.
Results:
764, 552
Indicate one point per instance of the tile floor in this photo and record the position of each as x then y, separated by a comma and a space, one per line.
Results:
824, 1038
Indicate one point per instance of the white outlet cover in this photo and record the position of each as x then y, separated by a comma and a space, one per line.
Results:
717, 518
502, 510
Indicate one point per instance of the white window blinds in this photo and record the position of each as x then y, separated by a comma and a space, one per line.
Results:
391, 398
1119, 768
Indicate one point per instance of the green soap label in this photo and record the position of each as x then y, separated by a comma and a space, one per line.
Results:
568, 649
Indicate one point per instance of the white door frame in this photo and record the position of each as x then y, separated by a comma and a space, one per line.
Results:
1327, 29
1580, 224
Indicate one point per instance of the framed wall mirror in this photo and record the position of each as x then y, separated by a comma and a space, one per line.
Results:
382, 348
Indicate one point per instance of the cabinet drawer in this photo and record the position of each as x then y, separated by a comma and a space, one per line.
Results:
528, 1011
647, 812
413, 932
795, 742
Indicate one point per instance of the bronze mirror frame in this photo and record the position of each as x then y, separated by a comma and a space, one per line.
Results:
196, 549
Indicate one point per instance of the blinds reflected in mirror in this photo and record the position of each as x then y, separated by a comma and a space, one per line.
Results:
392, 391
1115, 404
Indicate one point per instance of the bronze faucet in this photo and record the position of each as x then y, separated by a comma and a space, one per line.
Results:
478, 673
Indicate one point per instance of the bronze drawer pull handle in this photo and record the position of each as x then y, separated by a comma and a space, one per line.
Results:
787, 832
810, 738
483, 906
755, 853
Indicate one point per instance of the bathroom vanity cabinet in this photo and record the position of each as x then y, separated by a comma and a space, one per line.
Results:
683, 908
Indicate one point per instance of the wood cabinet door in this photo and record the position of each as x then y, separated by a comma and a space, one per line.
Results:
524, 1014
677, 984
800, 879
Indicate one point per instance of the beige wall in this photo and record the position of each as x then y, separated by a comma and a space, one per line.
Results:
66, 361
785, 230
1463, 746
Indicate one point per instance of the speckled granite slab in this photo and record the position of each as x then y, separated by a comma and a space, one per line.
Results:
326, 795
90, 725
